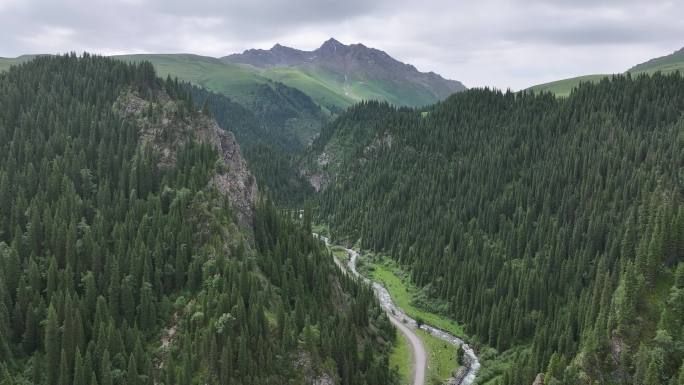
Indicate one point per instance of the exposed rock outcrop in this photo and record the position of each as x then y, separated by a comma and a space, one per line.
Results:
458, 376
169, 130
237, 181
539, 380
318, 179
381, 141
304, 365
618, 348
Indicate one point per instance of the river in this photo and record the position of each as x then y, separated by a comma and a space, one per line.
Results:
465, 375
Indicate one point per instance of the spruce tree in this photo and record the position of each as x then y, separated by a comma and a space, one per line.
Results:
52, 348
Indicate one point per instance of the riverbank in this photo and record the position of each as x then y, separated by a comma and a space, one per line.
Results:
465, 375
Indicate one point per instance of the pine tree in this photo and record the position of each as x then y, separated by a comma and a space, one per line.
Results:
64, 372
106, 369
132, 371
79, 370
655, 367
5, 376
680, 377
52, 348
147, 314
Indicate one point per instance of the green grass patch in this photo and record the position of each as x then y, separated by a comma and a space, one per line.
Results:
319, 86
400, 359
233, 80
7, 62
562, 88
664, 64
403, 292
322, 230
340, 253
442, 360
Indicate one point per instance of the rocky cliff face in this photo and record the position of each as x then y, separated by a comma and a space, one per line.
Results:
168, 132
539, 380
237, 182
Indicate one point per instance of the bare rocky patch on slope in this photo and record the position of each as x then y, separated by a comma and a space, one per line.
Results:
165, 128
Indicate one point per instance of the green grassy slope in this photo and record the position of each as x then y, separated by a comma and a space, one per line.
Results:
665, 64
320, 86
328, 89
564, 86
7, 62
240, 81
400, 359
279, 106
232, 80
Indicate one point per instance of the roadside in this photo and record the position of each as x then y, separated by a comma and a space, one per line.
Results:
442, 356
384, 270
448, 346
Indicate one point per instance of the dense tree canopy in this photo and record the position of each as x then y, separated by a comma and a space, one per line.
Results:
555, 224
271, 147
116, 268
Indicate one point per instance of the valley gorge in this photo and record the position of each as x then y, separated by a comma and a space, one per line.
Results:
161, 219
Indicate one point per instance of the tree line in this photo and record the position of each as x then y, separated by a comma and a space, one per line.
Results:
116, 269
551, 225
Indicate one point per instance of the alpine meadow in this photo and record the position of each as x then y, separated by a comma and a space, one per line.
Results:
221, 193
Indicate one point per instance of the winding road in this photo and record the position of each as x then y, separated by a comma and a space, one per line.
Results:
465, 375
419, 354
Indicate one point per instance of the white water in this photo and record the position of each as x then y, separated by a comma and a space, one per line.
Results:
470, 361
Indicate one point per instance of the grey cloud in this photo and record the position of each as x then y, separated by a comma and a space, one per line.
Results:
278, 12
593, 34
504, 43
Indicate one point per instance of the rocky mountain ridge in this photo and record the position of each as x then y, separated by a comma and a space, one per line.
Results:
357, 68
167, 135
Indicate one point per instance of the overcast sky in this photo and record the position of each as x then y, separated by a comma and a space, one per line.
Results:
499, 43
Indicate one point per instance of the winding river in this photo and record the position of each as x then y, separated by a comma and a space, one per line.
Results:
465, 375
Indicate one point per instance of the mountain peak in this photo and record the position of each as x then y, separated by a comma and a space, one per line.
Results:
331, 43
370, 72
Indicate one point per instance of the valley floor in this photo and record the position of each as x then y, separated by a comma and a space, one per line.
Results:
432, 353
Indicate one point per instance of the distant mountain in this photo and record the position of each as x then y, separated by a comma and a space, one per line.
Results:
665, 64
355, 72
7, 62
668, 63
335, 76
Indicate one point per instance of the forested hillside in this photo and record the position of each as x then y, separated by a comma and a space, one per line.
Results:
552, 228
128, 255
270, 149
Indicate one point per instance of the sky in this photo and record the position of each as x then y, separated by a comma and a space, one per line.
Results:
497, 43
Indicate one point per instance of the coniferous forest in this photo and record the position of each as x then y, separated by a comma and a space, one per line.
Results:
549, 227
121, 264
136, 247
271, 149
